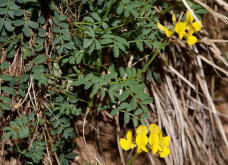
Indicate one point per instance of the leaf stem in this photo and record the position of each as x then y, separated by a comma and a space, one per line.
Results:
132, 159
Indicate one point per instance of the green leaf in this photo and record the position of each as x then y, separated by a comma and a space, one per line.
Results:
133, 103
56, 40
19, 12
87, 42
139, 45
26, 30
6, 99
1, 24
116, 50
40, 59
123, 105
96, 16
13, 6
114, 112
122, 72
106, 41
201, 11
124, 96
62, 17
98, 45
33, 24
121, 46
6, 77
3, 3
5, 106
38, 69
126, 12
64, 25
120, 9
111, 96
122, 41
102, 93
135, 121
18, 22
138, 112
134, 12
8, 25
8, 90
71, 155
95, 90
126, 118
42, 33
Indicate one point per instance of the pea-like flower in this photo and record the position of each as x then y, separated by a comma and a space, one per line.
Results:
189, 25
156, 141
141, 142
164, 150
183, 29
127, 144
142, 129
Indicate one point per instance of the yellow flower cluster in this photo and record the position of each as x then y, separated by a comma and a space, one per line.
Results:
181, 27
156, 142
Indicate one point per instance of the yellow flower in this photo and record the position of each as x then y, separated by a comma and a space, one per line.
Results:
142, 129
164, 143
174, 18
154, 142
141, 142
190, 25
168, 32
180, 29
157, 142
155, 129
191, 40
154, 139
127, 144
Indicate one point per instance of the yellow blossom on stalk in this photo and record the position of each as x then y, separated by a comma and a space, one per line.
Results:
141, 142
180, 29
191, 40
189, 25
168, 32
154, 139
127, 144
141, 138
157, 142
142, 129
164, 151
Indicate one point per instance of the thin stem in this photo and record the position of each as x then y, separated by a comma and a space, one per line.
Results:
152, 58
132, 159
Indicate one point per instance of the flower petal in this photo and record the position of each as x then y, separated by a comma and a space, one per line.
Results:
196, 26
161, 27
154, 142
155, 129
124, 144
165, 152
174, 18
142, 129
189, 18
168, 33
141, 141
180, 29
191, 40
129, 136
165, 141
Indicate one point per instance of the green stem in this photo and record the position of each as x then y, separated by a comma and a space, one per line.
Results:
132, 159
151, 60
